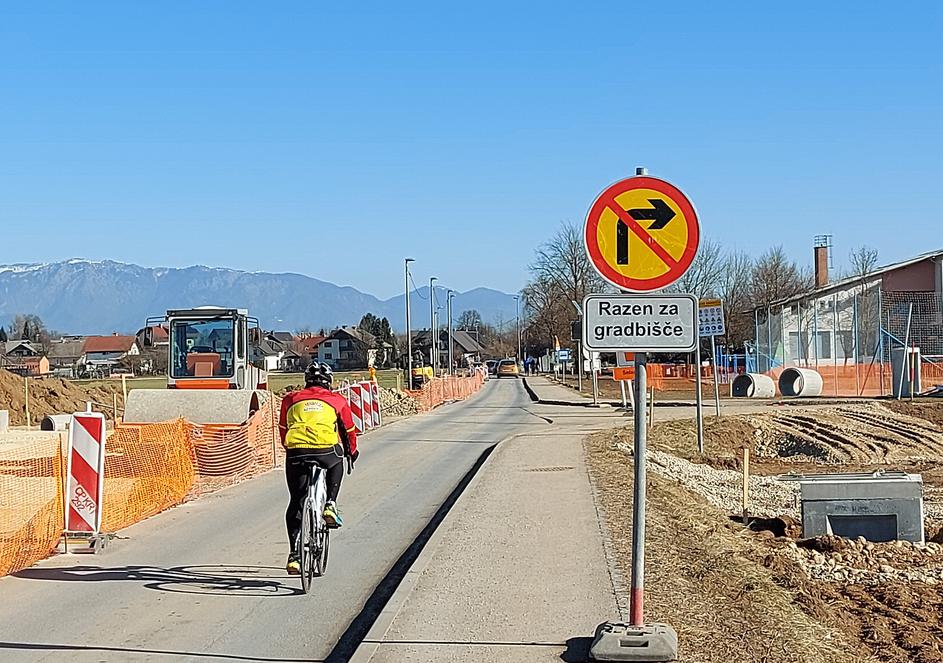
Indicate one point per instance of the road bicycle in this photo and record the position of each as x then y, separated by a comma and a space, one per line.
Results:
314, 538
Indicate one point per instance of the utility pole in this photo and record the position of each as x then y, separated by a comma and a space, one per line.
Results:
448, 308
434, 349
409, 334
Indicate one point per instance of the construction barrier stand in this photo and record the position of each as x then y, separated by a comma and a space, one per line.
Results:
366, 396
86, 461
377, 418
356, 406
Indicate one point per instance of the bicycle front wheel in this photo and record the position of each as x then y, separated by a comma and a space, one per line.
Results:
325, 540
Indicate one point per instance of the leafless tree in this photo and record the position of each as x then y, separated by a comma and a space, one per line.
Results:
735, 289
776, 277
562, 264
862, 260
706, 273
470, 319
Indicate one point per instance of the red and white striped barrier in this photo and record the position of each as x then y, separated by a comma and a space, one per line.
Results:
366, 391
364, 401
375, 390
354, 392
85, 472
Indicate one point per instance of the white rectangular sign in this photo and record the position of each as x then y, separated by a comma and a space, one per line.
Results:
642, 323
710, 318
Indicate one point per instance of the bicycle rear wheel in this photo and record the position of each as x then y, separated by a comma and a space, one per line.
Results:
307, 550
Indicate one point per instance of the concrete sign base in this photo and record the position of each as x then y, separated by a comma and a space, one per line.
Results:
617, 641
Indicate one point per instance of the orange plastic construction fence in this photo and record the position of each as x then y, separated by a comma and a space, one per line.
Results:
437, 391
30, 500
148, 468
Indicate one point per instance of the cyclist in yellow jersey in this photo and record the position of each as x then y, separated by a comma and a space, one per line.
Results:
315, 424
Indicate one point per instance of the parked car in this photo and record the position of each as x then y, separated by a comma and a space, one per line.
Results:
492, 365
508, 367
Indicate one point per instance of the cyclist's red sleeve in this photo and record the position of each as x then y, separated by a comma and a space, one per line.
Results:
283, 419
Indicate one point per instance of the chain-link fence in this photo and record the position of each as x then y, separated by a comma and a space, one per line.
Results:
850, 336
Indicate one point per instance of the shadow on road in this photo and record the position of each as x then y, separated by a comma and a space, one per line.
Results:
577, 650
214, 580
129, 653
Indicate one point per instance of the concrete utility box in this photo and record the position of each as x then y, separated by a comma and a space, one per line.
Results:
882, 506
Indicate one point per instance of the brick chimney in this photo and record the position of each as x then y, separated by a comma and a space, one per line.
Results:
822, 248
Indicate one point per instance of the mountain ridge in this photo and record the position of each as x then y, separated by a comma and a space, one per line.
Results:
81, 296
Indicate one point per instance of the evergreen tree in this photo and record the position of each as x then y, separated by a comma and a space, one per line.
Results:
3, 335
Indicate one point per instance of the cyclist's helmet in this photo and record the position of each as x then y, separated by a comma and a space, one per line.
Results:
319, 374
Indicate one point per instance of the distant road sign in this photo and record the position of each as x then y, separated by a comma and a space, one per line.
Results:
710, 318
640, 323
563, 355
641, 234
625, 366
576, 330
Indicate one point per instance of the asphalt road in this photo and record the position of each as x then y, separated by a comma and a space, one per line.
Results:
206, 581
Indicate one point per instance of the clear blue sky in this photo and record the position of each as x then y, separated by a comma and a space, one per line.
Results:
297, 136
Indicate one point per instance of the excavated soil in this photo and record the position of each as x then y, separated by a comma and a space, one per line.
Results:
52, 396
859, 437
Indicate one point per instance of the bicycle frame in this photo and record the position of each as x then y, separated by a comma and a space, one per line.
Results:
317, 492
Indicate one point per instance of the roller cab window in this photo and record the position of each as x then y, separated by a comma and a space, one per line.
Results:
202, 348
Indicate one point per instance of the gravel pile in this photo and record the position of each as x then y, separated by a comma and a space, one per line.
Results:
724, 488
395, 403
834, 559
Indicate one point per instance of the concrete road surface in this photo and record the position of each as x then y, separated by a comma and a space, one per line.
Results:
206, 581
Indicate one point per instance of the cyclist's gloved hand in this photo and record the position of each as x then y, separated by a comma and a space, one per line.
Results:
351, 459
354, 456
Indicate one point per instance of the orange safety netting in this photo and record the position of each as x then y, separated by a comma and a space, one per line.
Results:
225, 455
437, 391
30, 500
148, 468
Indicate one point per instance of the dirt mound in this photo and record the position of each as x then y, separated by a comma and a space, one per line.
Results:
51, 396
930, 409
860, 434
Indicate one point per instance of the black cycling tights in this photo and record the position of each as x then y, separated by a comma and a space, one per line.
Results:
297, 475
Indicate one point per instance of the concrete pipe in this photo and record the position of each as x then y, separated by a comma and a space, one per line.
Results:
55, 422
753, 385
800, 382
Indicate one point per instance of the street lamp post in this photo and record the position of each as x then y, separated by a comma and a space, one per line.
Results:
517, 307
434, 349
448, 310
409, 334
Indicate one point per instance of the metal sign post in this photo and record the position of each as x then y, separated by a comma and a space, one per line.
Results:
636, 608
699, 398
716, 377
593, 358
579, 373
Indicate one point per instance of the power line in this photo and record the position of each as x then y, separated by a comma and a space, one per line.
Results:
416, 288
